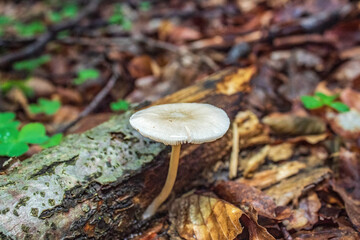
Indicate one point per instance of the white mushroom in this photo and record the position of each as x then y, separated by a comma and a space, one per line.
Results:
175, 124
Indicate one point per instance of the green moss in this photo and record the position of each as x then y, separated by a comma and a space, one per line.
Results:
24, 228
22, 202
28, 236
53, 226
51, 202
85, 208
42, 194
15, 212
25, 188
34, 212
6, 210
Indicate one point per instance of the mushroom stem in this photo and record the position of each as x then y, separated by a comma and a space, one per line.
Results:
170, 180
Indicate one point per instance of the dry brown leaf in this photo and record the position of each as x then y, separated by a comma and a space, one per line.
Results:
281, 152
242, 194
237, 82
255, 161
348, 71
202, 217
140, 66
256, 231
306, 215
65, 114
17, 96
292, 188
348, 184
41, 87
345, 124
294, 125
320, 233
177, 34
269, 177
69, 96
312, 139
351, 98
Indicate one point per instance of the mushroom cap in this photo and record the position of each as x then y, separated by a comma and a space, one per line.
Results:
179, 123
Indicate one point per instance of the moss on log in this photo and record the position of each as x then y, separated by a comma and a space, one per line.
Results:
98, 183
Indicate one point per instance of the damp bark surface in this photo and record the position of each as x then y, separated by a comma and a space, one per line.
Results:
98, 183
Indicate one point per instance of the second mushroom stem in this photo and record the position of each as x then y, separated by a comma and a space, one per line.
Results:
170, 180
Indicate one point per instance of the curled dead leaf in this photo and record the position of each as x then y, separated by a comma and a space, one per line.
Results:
306, 215
312, 139
141, 66
348, 184
178, 34
202, 217
294, 125
41, 87
351, 98
242, 194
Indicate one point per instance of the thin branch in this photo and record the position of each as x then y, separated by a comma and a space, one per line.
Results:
94, 103
41, 42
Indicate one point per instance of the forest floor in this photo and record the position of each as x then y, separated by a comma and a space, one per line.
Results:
295, 165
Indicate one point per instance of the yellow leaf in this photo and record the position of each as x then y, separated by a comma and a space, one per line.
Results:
202, 217
237, 82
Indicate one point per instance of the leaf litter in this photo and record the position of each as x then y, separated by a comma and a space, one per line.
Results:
294, 171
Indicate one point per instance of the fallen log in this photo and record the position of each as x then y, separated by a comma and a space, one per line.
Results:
97, 184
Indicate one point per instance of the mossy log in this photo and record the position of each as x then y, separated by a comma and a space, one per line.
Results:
98, 183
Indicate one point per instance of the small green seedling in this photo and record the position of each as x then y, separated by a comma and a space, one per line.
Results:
53, 141
49, 107
118, 17
85, 75
120, 105
31, 64
320, 100
7, 85
68, 11
4, 23
14, 143
30, 29
145, 6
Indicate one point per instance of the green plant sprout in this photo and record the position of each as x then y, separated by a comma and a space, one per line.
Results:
320, 100
14, 143
118, 17
7, 85
49, 107
85, 75
31, 64
68, 11
53, 141
4, 23
120, 105
145, 6
29, 29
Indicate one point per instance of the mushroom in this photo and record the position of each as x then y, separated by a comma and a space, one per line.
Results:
176, 124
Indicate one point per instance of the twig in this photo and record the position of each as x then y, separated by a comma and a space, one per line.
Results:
94, 103
41, 42
285, 232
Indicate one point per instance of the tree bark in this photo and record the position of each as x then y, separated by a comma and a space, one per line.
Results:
97, 184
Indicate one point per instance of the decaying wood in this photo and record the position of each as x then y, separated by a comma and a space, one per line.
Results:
98, 183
